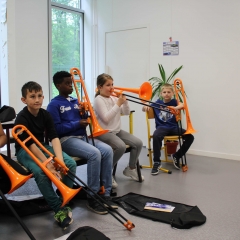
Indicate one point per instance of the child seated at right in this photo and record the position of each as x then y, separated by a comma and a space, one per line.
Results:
166, 125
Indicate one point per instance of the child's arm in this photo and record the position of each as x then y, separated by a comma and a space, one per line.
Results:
57, 148
39, 154
179, 106
145, 108
175, 109
125, 109
3, 137
105, 114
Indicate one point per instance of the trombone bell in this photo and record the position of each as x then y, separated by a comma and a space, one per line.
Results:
17, 179
144, 92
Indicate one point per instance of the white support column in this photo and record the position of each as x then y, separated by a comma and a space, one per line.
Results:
3, 54
94, 45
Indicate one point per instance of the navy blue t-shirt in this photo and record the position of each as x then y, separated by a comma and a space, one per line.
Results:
162, 118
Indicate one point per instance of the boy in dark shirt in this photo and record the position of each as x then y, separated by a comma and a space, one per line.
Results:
38, 120
166, 125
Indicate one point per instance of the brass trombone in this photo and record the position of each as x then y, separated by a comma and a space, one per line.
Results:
66, 192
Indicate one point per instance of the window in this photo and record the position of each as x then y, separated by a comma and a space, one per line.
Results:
70, 3
66, 34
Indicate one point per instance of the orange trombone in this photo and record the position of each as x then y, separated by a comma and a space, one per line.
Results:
178, 87
144, 92
97, 129
67, 193
17, 180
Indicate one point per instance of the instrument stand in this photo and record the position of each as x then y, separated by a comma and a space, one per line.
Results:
16, 216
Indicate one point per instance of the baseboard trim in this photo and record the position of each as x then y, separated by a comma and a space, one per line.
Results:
214, 154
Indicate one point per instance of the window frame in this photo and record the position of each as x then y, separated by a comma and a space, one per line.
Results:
68, 9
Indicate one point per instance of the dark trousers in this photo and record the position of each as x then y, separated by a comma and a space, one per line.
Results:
160, 133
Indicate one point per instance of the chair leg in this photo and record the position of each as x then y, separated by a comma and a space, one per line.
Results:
165, 170
114, 170
139, 171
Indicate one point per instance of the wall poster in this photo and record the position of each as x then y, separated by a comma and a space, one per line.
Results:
170, 48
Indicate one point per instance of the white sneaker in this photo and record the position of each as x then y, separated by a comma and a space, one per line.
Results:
114, 183
132, 173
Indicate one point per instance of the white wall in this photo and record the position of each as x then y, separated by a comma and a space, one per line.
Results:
209, 51
27, 41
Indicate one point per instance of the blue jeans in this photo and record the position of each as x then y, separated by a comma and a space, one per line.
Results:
43, 182
99, 161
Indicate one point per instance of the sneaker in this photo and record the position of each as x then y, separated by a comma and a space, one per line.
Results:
68, 211
112, 193
63, 218
93, 205
132, 173
114, 183
109, 201
155, 169
176, 162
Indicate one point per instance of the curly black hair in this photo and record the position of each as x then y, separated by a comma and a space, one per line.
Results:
58, 77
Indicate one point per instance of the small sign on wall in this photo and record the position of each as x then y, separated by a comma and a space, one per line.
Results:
170, 48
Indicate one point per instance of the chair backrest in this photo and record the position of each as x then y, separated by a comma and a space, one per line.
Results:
150, 113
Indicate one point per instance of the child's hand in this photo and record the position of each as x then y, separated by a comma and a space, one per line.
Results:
145, 108
121, 100
173, 110
83, 122
51, 168
83, 108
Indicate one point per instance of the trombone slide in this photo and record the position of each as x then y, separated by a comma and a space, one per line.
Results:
66, 192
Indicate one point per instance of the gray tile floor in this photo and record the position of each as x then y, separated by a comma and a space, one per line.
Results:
210, 183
